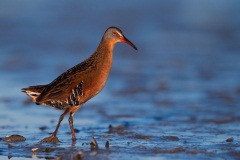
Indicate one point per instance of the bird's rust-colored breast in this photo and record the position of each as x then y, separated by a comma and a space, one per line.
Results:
96, 79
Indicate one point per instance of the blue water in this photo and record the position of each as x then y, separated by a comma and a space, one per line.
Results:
184, 79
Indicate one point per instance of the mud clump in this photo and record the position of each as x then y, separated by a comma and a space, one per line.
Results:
15, 138
43, 128
107, 144
78, 156
218, 121
120, 130
93, 144
230, 139
174, 150
138, 136
192, 152
170, 138
48, 150
50, 139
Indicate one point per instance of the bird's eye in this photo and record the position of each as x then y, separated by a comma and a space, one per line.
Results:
114, 33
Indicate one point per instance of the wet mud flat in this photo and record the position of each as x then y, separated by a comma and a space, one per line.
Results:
177, 98
157, 120
175, 139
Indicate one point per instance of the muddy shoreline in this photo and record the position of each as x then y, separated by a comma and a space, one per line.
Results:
176, 98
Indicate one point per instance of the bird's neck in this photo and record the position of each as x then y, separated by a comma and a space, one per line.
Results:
104, 51
105, 47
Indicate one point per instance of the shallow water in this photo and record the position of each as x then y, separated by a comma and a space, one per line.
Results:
177, 97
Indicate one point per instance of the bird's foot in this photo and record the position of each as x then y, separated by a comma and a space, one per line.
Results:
51, 139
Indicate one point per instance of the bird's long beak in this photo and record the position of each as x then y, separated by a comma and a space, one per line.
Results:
125, 40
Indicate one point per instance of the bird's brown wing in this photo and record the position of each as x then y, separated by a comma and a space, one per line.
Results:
60, 89
65, 85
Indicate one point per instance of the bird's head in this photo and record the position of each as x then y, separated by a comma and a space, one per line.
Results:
115, 35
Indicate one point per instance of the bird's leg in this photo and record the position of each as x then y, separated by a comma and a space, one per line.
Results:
70, 120
59, 122
53, 138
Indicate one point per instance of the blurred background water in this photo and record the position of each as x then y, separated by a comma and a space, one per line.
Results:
186, 67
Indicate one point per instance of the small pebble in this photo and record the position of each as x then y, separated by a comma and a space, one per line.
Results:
93, 144
34, 149
76, 130
107, 144
110, 128
78, 156
15, 138
230, 139
43, 128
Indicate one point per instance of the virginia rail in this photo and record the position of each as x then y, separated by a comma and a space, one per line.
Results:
80, 83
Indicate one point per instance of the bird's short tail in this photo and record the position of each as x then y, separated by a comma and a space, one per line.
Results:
34, 91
